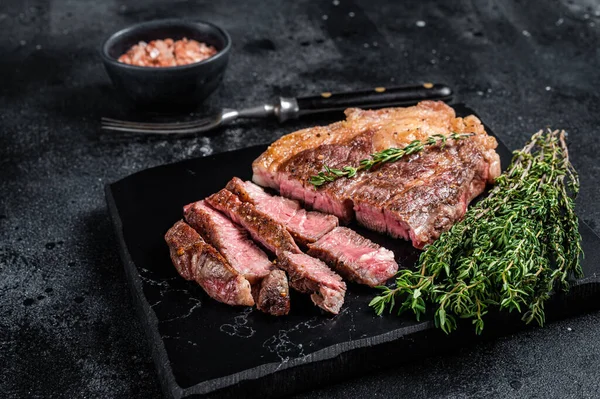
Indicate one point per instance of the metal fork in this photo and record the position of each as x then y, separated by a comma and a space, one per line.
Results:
290, 108
208, 123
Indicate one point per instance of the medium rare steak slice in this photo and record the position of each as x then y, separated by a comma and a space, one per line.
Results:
230, 240
197, 260
304, 226
421, 212
393, 186
261, 227
274, 295
332, 198
355, 257
379, 186
311, 276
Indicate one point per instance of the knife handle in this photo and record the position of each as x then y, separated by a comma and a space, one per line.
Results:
377, 97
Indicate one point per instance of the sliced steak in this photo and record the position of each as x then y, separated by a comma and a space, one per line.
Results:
230, 240
261, 227
304, 226
355, 257
274, 296
311, 276
197, 260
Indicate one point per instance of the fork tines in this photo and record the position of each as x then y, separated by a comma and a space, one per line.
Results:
195, 126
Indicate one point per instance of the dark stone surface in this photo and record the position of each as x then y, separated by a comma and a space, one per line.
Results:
67, 327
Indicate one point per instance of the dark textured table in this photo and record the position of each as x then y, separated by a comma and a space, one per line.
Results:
67, 327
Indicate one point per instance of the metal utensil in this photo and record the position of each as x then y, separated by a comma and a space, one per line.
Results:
291, 108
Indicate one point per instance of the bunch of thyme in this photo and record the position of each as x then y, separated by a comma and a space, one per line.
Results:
511, 251
388, 155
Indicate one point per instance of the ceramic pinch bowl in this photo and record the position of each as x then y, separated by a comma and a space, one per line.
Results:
173, 85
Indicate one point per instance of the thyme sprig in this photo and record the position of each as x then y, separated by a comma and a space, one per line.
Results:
512, 250
330, 174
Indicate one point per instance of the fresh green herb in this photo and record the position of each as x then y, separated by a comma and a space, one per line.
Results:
385, 156
510, 252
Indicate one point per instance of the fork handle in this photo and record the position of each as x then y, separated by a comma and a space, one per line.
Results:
377, 97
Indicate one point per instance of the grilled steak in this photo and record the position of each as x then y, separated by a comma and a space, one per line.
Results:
355, 257
261, 227
391, 127
197, 260
274, 295
230, 240
416, 198
305, 227
311, 276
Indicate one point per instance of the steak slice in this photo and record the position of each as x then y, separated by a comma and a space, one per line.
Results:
197, 260
334, 197
355, 257
311, 276
274, 295
379, 186
421, 212
261, 227
230, 240
304, 226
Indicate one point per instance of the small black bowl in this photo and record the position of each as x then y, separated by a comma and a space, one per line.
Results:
167, 86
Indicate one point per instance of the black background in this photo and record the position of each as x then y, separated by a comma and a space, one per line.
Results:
67, 327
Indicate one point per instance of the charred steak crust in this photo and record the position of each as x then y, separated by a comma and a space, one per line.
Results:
355, 257
230, 240
274, 296
311, 276
261, 227
197, 260
304, 226
238, 187
184, 243
391, 127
